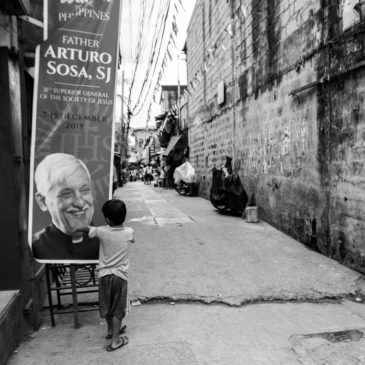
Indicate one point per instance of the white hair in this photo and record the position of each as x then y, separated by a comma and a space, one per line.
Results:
53, 169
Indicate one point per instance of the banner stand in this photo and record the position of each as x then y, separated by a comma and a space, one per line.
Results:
74, 297
49, 292
70, 280
72, 147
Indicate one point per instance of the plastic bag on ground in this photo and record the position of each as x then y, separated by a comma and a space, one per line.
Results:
185, 172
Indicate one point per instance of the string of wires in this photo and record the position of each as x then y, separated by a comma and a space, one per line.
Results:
155, 60
150, 50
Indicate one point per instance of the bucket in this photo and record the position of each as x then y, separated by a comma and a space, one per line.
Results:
252, 215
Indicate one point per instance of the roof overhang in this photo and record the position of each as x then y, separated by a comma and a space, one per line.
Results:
171, 145
15, 7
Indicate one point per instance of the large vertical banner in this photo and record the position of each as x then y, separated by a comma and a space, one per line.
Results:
72, 136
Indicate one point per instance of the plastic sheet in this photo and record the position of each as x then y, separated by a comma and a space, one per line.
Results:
185, 172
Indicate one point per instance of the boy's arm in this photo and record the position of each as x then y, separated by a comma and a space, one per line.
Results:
84, 230
91, 231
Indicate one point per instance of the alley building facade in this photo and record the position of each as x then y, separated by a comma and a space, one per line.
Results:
279, 85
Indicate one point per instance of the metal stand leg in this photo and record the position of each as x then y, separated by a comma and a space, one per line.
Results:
74, 296
58, 284
56, 271
50, 302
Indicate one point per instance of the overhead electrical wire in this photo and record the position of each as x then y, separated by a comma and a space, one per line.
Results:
139, 46
151, 59
150, 51
140, 104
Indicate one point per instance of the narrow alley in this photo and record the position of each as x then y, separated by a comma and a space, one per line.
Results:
234, 131
209, 288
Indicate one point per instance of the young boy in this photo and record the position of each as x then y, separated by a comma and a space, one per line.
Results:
115, 240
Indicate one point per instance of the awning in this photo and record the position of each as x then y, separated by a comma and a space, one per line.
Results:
171, 145
15, 7
161, 116
30, 71
32, 32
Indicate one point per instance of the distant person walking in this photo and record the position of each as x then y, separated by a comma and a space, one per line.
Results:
148, 174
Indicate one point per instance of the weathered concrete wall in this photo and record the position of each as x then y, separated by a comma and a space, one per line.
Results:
342, 143
302, 155
346, 174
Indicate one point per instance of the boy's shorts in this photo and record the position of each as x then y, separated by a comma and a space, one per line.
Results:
113, 296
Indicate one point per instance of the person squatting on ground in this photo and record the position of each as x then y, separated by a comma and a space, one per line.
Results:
115, 240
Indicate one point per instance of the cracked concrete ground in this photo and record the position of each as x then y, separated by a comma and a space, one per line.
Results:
186, 256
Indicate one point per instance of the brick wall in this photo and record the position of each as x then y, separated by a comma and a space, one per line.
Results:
302, 155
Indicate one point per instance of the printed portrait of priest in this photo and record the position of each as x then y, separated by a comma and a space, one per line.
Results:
64, 190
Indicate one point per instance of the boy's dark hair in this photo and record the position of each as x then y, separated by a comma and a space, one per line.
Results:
115, 210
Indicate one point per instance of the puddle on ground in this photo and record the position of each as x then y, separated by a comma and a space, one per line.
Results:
338, 336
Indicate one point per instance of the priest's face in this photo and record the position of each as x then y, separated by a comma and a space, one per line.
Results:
69, 200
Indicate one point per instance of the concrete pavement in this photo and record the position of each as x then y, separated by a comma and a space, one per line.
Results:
195, 271
186, 250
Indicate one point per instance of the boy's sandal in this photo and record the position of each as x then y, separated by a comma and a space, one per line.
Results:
121, 331
123, 342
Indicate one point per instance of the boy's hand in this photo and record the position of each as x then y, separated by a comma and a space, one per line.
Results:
84, 230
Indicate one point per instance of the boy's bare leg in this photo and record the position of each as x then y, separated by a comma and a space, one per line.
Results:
116, 324
109, 321
117, 341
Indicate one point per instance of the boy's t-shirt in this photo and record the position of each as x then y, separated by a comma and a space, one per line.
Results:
114, 249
